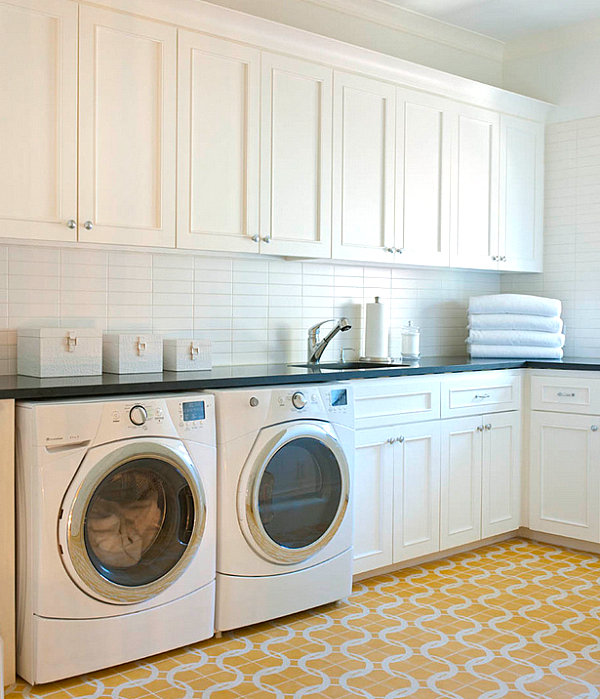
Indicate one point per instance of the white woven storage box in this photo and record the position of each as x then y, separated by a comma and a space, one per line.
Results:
186, 355
48, 352
132, 353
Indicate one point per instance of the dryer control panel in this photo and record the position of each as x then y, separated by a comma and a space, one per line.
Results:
332, 403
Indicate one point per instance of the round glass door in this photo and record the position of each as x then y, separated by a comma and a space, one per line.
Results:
132, 527
299, 496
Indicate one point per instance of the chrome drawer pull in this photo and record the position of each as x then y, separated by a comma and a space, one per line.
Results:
594, 428
561, 394
483, 396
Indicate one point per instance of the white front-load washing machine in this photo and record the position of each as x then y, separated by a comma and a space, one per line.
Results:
284, 533
116, 515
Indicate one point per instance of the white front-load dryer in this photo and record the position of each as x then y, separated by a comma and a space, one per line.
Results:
116, 516
284, 533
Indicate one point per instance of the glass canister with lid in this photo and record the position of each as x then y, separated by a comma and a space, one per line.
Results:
411, 340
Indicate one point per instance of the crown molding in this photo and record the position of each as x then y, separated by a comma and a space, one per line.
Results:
390, 15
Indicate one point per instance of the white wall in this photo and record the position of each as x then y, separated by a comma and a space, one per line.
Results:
560, 66
254, 310
381, 26
572, 233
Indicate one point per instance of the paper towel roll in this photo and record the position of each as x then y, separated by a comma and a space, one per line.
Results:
376, 330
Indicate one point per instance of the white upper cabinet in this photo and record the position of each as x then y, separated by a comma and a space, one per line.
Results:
474, 228
218, 144
295, 200
423, 168
38, 118
363, 169
521, 195
127, 129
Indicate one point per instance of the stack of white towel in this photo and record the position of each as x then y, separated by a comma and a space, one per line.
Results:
514, 325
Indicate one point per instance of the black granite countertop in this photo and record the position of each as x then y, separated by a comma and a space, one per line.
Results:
25, 387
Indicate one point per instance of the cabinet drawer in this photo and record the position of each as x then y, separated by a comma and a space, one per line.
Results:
565, 395
482, 392
391, 401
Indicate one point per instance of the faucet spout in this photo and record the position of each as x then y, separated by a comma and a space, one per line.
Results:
316, 347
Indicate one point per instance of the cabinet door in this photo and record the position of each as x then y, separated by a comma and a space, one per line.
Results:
423, 165
218, 144
38, 117
521, 194
295, 213
127, 129
461, 481
563, 481
417, 491
501, 476
372, 495
474, 234
363, 169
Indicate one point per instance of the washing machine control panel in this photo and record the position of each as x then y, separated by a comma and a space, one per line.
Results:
305, 401
138, 415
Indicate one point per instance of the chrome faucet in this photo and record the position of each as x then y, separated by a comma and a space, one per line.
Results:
316, 347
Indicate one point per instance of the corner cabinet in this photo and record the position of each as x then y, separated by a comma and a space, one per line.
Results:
218, 144
38, 114
521, 195
564, 478
127, 129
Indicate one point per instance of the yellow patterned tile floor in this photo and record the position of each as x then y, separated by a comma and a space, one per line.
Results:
516, 619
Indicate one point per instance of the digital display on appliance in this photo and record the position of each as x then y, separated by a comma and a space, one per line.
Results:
339, 396
193, 411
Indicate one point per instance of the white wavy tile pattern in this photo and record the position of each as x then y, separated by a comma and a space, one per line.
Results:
515, 619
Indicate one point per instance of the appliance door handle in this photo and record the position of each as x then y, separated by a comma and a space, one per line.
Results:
186, 509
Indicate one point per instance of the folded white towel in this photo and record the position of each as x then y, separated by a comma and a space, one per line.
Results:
515, 321
522, 352
520, 338
515, 303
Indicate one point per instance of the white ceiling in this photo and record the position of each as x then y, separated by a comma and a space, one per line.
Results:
506, 20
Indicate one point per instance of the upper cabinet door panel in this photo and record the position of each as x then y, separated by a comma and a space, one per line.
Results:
423, 160
295, 217
218, 142
127, 129
521, 194
363, 180
474, 241
38, 114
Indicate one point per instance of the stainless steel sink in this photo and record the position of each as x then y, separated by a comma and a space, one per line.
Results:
351, 366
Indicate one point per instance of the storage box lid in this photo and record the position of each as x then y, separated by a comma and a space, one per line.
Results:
42, 333
185, 342
131, 337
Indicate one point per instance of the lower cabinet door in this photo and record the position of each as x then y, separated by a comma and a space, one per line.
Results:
501, 475
461, 462
372, 488
416, 490
563, 479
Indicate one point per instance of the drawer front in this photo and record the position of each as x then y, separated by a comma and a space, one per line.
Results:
565, 395
482, 392
391, 401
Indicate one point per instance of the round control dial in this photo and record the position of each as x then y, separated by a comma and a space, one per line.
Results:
298, 400
138, 415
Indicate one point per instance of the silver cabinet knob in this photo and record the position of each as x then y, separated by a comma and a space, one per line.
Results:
71, 223
503, 258
594, 428
392, 250
298, 400
400, 250
255, 238
495, 258
266, 239
88, 225
479, 428
138, 415
390, 440
488, 426
400, 439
